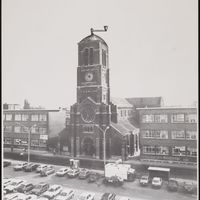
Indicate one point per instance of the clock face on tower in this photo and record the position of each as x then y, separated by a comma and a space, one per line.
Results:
87, 114
88, 76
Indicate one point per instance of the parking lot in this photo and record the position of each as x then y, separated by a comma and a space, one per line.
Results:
130, 189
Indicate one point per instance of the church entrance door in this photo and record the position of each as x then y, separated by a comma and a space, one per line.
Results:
88, 147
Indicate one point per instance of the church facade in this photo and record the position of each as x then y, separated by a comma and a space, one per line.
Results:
94, 117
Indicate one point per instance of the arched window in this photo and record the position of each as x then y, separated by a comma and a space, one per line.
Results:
91, 60
86, 56
104, 57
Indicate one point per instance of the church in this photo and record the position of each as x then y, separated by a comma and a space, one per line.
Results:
100, 126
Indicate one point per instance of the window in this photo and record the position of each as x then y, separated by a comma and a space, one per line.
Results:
178, 134
25, 129
161, 118
17, 129
42, 143
34, 142
4, 116
191, 118
8, 128
191, 135
34, 130
7, 141
178, 151
24, 117
88, 128
177, 118
155, 134
85, 56
34, 118
91, 56
147, 118
8, 117
103, 57
121, 113
191, 151
17, 117
148, 149
42, 130
43, 117
159, 150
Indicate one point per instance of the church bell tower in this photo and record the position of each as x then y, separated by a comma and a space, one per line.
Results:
92, 111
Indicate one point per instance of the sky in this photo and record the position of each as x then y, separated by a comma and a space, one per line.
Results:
152, 49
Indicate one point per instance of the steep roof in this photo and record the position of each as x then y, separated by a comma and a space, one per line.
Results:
92, 37
120, 102
123, 128
142, 102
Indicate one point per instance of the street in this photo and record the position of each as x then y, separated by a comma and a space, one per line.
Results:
130, 189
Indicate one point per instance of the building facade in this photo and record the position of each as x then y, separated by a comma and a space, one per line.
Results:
168, 133
94, 118
40, 123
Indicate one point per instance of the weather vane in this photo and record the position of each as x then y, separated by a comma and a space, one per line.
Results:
105, 29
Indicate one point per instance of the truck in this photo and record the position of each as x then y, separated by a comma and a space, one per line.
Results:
116, 173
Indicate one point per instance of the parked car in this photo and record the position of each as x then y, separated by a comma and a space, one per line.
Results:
189, 187
49, 170
86, 196
40, 188
108, 196
84, 173
31, 167
25, 187
124, 198
13, 196
144, 180
6, 163
7, 181
63, 171
42, 198
66, 194
172, 185
157, 182
73, 173
114, 180
14, 185
20, 166
40, 168
53, 191
31, 197
93, 177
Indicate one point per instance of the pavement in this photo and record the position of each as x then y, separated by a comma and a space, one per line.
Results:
132, 162
129, 189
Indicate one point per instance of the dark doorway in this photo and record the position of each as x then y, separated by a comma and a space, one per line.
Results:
88, 147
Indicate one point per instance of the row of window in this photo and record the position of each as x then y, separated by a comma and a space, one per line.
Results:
163, 134
125, 113
24, 142
88, 56
25, 117
175, 118
175, 151
22, 129
88, 128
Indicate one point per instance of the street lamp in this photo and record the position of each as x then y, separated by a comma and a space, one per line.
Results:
104, 30
29, 138
104, 143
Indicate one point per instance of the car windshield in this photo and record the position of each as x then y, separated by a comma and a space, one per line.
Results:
63, 193
156, 181
144, 178
82, 198
52, 189
14, 183
38, 186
